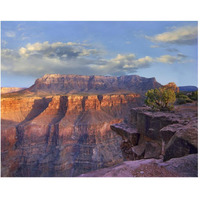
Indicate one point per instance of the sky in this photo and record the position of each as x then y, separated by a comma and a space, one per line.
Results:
166, 50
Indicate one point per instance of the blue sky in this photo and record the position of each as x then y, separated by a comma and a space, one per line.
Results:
164, 50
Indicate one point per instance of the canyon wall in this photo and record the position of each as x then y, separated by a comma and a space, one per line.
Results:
63, 135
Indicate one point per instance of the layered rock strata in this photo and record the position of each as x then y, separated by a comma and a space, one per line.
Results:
76, 84
61, 135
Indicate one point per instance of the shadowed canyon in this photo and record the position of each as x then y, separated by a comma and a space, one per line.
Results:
60, 126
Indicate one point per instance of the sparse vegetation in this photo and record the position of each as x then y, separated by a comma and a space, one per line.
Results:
186, 97
161, 99
182, 99
194, 96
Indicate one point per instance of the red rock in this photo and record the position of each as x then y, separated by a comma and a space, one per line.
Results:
61, 135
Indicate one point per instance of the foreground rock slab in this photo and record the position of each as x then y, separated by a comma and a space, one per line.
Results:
186, 166
177, 167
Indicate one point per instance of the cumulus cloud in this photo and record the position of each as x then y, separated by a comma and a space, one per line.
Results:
74, 58
57, 50
122, 64
10, 34
186, 35
40, 58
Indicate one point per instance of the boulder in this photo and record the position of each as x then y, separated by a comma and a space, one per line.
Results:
139, 149
152, 150
184, 142
126, 132
186, 166
168, 131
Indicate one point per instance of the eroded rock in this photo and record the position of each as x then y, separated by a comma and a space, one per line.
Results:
162, 134
186, 166
183, 142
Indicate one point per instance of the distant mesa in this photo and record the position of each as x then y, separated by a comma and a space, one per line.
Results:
188, 88
5, 90
76, 84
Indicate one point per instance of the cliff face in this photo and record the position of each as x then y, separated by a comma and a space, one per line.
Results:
60, 126
61, 135
56, 83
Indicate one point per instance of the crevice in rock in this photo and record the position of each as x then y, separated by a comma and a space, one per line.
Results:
83, 102
100, 98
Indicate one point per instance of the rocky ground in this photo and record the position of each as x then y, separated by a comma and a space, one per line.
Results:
157, 144
177, 167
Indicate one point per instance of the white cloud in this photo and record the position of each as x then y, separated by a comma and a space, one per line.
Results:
180, 58
167, 59
58, 49
10, 34
178, 35
40, 58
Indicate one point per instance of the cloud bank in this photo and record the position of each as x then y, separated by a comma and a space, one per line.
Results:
74, 58
186, 35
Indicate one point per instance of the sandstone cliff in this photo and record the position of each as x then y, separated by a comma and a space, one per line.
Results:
60, 126
61, 135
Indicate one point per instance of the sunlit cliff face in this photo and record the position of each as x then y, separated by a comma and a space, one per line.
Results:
64, 135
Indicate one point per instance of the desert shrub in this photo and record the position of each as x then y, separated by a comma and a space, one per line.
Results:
194, 96
183, 98
160, 99
183, 101
180, 94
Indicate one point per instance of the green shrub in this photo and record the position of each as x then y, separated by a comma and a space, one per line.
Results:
160, 99
194, 96
183, 99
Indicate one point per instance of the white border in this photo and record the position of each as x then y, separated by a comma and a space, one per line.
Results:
99, 188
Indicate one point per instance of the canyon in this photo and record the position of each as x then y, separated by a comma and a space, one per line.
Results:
60, 126
157, 144
71, 125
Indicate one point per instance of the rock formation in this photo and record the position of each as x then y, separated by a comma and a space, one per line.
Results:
61, 135
76, 84
177, 167
162, 135
60, 126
